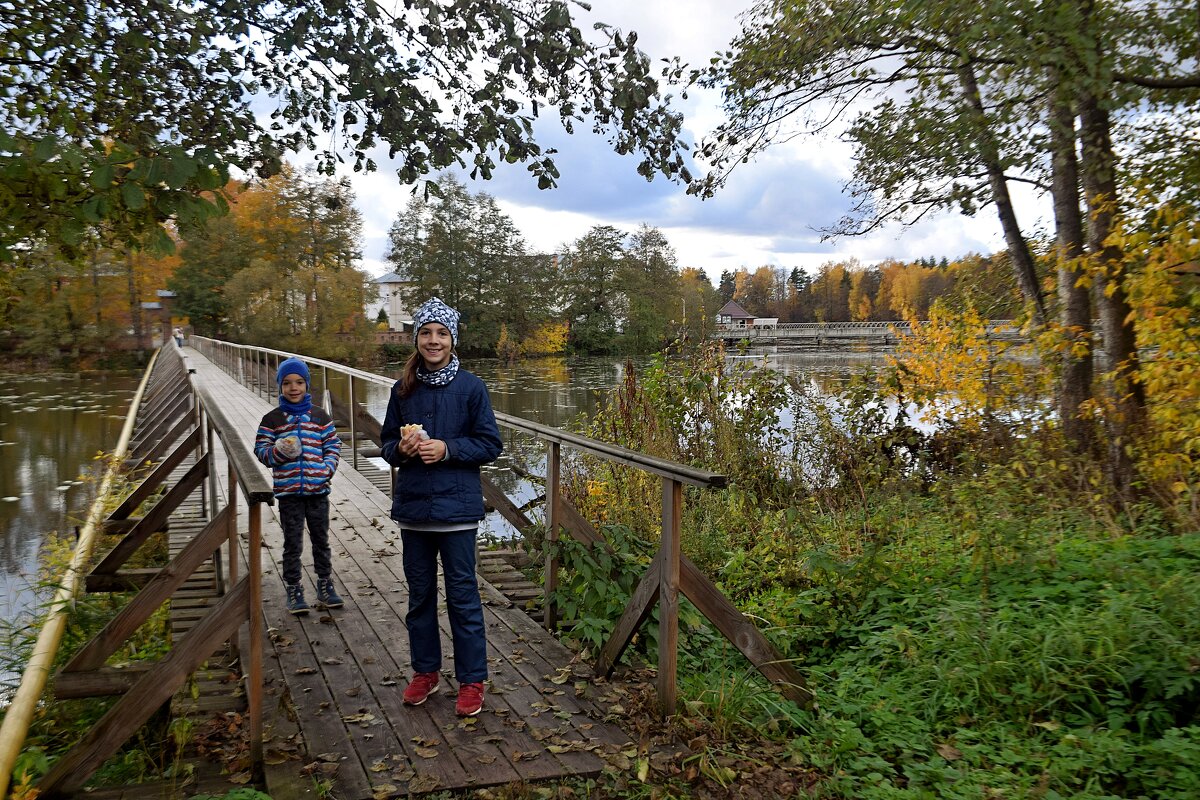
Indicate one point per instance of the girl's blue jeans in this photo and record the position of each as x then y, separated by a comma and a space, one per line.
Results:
457, 551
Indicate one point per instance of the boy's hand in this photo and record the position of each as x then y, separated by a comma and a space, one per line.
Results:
288, 448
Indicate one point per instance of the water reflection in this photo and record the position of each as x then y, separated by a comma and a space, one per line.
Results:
51, 428
53, 425
560, 392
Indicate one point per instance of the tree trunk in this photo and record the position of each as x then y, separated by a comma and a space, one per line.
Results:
1074, 307
135, 306
1018, 248
1122, 384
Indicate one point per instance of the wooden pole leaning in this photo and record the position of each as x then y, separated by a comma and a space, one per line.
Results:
24, 702
254, 672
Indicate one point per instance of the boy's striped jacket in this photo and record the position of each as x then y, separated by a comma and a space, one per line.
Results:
312, 471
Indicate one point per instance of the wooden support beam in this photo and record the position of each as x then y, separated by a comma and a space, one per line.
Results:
70, 772
495, 497
103, 682
154, 434
160, 447
125, 580
697, 587
154, 520
739, 630
93, 654
641, 603
364, 423
156, 478
254, 670
553, 521
119, 527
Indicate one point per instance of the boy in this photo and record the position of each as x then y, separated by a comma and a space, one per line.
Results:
301, 446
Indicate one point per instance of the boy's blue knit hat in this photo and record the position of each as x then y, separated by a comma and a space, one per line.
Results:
292, 366
434, 310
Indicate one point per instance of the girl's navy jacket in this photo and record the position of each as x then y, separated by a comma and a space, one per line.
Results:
460, 414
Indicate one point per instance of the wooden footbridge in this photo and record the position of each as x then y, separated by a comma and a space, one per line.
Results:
318, 699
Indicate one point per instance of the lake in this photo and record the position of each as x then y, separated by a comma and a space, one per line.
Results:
53, 425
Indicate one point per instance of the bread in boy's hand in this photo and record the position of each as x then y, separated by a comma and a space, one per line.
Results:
289, 447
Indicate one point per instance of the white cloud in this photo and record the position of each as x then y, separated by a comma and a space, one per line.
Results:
770, 211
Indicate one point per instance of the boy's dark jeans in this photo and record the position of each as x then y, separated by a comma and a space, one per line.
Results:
293, 513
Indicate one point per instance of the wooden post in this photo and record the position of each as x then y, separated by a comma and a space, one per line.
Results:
231, 543
668, 595
254, 674
353, 428
233, 531
553, 521
211, 484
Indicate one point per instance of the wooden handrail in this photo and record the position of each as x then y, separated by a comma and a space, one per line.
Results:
241, 605
594, 447
250, 477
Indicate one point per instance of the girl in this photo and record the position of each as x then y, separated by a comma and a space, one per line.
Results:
438, 430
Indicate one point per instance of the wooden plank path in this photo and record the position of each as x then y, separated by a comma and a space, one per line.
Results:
334, 679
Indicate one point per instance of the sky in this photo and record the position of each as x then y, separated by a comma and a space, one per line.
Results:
769, 212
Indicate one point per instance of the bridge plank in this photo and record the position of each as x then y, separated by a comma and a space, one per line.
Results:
507, 742
497, 705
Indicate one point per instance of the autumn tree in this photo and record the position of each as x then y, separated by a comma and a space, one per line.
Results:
282, 269
995, 94
700, 303
134, 113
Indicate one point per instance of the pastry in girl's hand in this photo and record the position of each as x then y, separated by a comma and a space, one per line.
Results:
405, 430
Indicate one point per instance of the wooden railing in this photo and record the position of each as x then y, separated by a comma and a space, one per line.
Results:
176, 423
669, 574
20, 711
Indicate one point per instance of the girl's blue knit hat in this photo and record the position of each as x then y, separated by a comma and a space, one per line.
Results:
434, 310
292, 366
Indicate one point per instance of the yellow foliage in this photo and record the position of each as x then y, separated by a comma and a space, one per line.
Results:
506, 347
950, 367
1165, 294
549, 339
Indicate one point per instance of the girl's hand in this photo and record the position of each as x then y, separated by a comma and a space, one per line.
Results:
432, 450
408, 444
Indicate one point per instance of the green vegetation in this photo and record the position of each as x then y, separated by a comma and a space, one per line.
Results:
978, 614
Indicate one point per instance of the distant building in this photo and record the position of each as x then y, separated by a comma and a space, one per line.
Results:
733, 315
391, 301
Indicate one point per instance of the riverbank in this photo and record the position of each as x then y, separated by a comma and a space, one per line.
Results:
87, 362
976, 615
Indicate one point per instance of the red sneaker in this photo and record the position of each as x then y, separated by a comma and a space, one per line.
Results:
420, 687
470, 699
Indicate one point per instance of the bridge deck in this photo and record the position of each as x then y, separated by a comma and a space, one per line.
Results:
334, 679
